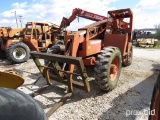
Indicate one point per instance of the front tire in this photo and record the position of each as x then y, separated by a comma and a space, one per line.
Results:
17, 53
107, 68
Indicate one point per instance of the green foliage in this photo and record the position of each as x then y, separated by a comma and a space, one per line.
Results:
158, 45
157, 34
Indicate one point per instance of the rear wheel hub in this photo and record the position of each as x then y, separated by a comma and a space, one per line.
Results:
19, 53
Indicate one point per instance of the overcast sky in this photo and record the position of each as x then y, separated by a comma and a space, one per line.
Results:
146, 12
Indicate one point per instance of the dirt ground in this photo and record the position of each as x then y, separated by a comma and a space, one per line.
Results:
130, 100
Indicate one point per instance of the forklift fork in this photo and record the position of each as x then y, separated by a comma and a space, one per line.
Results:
77, 61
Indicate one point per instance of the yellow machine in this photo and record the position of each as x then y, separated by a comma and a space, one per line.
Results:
10, 80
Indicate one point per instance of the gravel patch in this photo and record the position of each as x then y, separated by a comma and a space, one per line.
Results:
133, 92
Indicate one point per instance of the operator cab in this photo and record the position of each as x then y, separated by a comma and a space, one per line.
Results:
37, 35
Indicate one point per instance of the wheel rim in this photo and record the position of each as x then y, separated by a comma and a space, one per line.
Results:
19, 53
114, 69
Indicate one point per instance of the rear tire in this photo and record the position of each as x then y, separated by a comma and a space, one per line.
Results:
107, 68
17, 53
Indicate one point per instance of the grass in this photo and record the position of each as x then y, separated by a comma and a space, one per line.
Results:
158, 45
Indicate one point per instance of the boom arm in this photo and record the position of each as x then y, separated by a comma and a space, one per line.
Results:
80, 13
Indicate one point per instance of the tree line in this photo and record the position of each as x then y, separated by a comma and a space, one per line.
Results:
157, 34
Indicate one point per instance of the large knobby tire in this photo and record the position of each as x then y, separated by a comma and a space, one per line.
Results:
108, 67
128, 62
17, 53
16, 105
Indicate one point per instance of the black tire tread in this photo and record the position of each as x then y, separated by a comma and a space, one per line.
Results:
101, 67
16, 105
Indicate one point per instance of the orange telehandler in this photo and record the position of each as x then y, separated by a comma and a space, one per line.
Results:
8, 33
105, 44
18, 44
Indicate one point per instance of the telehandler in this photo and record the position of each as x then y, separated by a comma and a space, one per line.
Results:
35, 37
105, 44
8, 33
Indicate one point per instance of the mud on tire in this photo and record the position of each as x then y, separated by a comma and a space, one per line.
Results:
107, 68
17, 53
